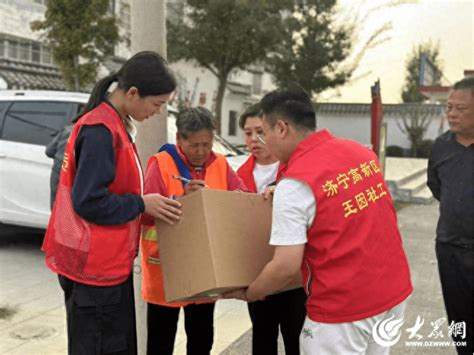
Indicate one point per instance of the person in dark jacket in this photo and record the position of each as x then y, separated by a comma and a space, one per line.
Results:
55, 150
451, 180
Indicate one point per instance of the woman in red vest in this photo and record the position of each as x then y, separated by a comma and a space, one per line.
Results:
283, 311
93, 233
193, 159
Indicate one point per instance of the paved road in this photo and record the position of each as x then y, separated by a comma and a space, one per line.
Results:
38, 325
31, 292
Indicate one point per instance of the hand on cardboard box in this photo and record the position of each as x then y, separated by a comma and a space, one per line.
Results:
240, 294
194, 185
268, 192
237, 294
163, 208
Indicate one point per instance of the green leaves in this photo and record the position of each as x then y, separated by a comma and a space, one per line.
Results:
310, 48
224, 35
81, 34
297, 43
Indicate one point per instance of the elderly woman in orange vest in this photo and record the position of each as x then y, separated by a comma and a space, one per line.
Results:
284, 310
193, 159
94, 230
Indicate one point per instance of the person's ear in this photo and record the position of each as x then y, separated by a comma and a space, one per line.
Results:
282, 127
133, 92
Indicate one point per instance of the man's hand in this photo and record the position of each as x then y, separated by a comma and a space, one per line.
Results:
237, 294
240, 294
268, 192
194, 185
163, 208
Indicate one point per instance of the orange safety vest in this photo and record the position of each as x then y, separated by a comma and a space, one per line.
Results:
152, 281
93, 254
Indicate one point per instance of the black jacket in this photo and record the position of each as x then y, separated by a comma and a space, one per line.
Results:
55, 150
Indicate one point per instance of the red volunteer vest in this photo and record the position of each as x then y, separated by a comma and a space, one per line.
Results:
152, 279
354, 264
93, 254
245, 172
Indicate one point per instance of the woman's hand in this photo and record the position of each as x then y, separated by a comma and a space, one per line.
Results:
194, 185
163, 208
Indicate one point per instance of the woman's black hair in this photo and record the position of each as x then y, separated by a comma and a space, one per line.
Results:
147, 71
252, 111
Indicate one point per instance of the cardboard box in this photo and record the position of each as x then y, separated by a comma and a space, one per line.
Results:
220, 244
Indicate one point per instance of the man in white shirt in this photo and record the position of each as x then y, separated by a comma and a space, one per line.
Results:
333, 217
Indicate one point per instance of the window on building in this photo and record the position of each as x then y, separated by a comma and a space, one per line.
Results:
257, 83
232, 123
35, 122
46, 57
24, 51
125, 17
12, 49
35, 52
111, 7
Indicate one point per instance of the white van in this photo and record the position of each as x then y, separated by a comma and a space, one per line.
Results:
29, 120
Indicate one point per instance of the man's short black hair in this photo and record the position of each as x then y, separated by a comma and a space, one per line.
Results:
292, 103
251, 111
465, 84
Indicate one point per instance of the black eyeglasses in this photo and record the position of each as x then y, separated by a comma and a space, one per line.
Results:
260, 136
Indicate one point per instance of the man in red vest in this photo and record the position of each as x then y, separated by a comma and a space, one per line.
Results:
334, 219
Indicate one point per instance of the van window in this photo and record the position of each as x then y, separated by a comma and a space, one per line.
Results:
3, 107
35, 122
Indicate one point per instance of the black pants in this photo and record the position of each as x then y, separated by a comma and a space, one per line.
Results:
286, 310
162, 324
100, 320
456, 271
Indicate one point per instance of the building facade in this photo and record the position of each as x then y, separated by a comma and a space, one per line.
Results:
26, 62
198, 87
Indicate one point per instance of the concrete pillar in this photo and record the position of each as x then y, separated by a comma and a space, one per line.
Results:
148, 22
149, 33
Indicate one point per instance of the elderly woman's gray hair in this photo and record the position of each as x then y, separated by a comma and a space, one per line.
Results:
194, 120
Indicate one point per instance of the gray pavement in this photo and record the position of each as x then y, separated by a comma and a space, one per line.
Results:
38, 324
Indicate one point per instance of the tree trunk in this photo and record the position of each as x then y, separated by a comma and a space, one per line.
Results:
219, 100
77, 86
